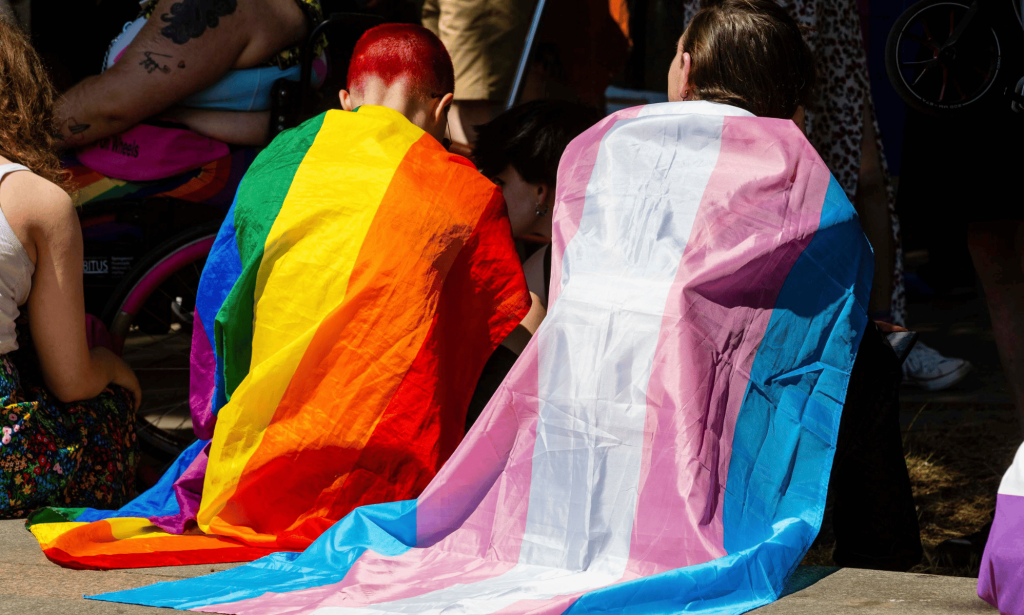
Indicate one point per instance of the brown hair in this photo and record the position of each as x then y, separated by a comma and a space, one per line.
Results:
750, 54
28, 133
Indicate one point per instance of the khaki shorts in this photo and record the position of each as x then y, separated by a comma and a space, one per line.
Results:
485, 39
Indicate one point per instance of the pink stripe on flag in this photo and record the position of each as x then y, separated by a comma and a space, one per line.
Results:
486, 499
485, 487
718, 309
574, 171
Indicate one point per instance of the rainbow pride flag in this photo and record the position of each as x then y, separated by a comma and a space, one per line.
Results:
664, 443
361, 280
213, 183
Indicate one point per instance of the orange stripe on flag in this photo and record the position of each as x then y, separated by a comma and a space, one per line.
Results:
360, 355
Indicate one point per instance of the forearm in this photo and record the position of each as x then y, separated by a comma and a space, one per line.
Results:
94, 375
250, 128
88, 112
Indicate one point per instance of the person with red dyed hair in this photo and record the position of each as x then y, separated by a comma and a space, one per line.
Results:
385, 275
406, 68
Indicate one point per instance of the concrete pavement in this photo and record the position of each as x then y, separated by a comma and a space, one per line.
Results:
31, 585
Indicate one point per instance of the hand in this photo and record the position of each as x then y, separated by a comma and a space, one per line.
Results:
124, 376
121, 375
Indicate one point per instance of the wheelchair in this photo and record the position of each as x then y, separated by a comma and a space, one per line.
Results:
145, 251
946, 57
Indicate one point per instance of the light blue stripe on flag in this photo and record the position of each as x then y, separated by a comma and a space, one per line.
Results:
388, 529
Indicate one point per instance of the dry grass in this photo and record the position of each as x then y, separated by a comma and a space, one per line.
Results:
955, 467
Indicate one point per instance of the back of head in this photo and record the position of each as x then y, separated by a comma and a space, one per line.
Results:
28, 135
750, 54
531, 137
393, 51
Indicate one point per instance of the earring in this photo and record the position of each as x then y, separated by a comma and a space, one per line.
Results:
686, 93
539, 212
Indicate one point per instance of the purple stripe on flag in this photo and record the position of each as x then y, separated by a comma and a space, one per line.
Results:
188, 491
201, 380
1001, 579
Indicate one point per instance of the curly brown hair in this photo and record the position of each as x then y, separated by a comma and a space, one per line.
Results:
28, 132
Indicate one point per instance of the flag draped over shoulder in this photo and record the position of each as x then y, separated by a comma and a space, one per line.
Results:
665, 441
1001, 578
357, 287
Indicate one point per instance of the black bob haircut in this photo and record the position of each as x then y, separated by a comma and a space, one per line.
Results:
531, 137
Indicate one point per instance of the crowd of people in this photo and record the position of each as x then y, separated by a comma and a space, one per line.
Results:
283, 285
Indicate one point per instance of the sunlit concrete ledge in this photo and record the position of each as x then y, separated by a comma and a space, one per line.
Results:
32, 585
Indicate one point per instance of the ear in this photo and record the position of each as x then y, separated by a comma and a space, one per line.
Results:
346, 100
544, 192
440, 111
684, 81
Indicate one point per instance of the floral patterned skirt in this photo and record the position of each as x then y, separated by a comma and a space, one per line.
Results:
80, 454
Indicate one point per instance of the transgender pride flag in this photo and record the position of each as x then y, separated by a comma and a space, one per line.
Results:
665, 441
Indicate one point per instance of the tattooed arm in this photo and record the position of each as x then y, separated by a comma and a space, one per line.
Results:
184, 48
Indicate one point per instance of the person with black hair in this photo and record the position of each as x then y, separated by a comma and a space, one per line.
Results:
519, 151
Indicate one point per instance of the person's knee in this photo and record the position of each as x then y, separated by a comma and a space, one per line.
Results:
996, 251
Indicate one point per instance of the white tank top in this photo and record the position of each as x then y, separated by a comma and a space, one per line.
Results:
16, 271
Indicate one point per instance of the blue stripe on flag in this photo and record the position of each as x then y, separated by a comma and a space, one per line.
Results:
158, 500
388, 529
223, 268
784, 438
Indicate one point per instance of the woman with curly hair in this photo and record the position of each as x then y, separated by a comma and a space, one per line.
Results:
67, 423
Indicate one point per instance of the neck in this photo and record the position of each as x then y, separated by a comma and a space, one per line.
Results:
397, 96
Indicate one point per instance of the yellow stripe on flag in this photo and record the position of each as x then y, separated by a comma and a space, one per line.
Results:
303, 276
48, 533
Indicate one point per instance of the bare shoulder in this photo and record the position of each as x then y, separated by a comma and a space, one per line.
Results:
35, 197
36, 207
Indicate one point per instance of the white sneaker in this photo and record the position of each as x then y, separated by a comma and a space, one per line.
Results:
931, 371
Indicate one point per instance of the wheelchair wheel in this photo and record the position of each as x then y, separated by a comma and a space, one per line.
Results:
937, 79
149, 317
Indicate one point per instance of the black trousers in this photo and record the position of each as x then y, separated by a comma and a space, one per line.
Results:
872, 518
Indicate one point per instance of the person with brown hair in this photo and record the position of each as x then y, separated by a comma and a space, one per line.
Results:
840, 122
751, 54
67, 427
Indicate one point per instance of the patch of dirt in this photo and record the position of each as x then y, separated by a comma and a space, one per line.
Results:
955, 468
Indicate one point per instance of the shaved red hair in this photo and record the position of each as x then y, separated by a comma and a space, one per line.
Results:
395, 50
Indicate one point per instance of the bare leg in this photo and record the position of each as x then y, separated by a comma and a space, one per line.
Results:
872, 205
466, 115
997, 249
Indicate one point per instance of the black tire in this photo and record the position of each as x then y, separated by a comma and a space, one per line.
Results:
162, 444
980, 62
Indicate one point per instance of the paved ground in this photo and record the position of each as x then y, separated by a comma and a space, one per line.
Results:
31, 585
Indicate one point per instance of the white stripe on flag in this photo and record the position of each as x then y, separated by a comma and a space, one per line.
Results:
1013, 480
596, 352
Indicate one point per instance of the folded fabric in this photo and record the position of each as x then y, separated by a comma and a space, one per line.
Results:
361, 280
665, 441
1001, 578
214, 183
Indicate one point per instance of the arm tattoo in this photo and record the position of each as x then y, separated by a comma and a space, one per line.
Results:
75, 129
188, 19
152, 62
